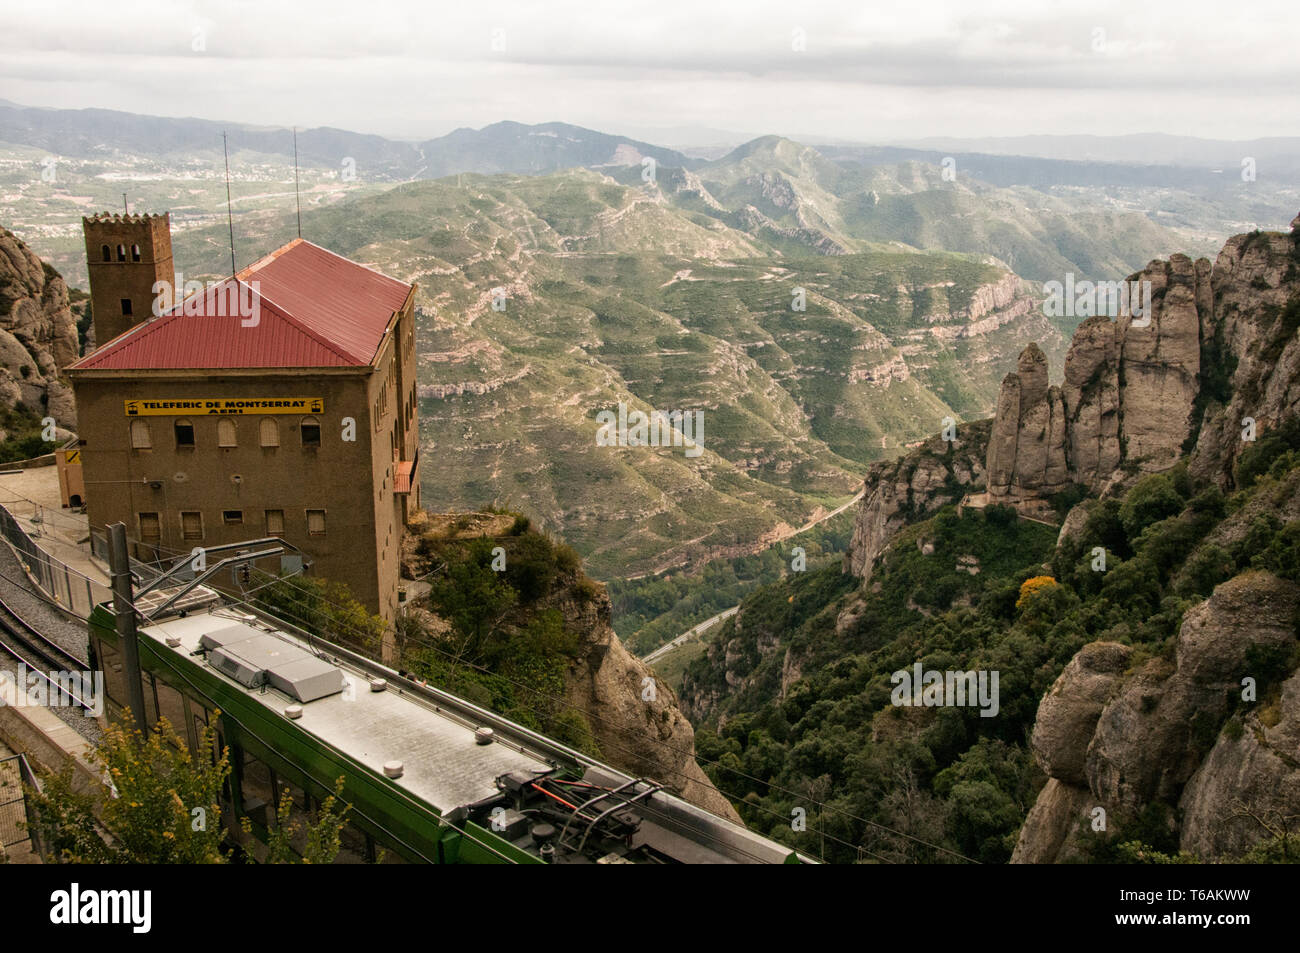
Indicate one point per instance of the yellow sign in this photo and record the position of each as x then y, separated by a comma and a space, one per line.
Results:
206, 406
71, 456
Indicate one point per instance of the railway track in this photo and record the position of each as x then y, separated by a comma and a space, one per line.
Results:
21, 641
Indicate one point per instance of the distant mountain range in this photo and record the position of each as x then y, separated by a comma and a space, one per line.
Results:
500, 147
668, 285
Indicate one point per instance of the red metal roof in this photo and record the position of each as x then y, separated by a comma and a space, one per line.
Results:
313, 309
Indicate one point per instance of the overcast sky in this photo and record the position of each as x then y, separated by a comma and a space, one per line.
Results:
863, 71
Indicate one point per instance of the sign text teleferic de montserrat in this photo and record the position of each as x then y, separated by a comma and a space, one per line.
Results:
200, 406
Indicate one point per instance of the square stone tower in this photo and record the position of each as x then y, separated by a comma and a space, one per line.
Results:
126, 255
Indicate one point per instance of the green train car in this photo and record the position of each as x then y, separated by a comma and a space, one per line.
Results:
430, 778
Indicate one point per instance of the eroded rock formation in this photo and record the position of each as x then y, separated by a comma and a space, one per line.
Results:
1129, 393
914, 486
38, 335
1114, 737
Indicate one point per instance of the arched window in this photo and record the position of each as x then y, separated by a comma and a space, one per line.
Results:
121, 253
184, 433
141, 439
270, 431
104, 250
310, 432
135, 252
226, 432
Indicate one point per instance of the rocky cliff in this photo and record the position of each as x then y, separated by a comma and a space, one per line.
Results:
38, 335
1210, 369
1129, 394
914, 486
1216, 371
534, 641
635, 718
1124, 736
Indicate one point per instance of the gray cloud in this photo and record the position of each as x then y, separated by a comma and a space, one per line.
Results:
410, 68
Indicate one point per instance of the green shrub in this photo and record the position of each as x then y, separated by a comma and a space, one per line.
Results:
1152, 499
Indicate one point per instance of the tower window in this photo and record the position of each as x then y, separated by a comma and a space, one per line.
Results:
191, 525
310, 432
226, 433
184, 433
232, 517
121, 253
135, 252
150, 528
126, 307
104, 250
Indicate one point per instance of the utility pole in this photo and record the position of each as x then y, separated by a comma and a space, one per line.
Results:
124, 609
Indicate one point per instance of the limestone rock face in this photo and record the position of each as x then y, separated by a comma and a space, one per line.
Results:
1145, 746
914, 486
1026, 454
1129, 393
651, 737
38, 334
1245, 780
1126, 740
1254, 279
1058, 810
1091, 396
1068, 713
1160, 361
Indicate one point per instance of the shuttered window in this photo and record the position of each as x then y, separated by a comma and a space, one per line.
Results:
275, 522
316, 522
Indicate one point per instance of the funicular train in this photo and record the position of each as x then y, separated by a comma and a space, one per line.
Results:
429, 777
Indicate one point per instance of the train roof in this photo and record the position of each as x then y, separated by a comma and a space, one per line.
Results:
443, 763
325, 690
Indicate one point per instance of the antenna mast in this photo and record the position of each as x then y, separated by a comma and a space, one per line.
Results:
297, 197
230, 215
125, 208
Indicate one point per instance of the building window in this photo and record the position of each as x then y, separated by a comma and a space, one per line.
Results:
104, 250
226, 432
315, 522
270, 431
141, 438
135, 252
310, 432
121, 253
184, 434
150, 528
232, 517
192, 525
275, 522
126, 307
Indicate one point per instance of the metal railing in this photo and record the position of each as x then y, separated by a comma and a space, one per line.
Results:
72, 590
18, 819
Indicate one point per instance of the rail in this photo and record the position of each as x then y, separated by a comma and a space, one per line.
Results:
73, 591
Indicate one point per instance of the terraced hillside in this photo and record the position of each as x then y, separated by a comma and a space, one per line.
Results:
796, 198
605, 293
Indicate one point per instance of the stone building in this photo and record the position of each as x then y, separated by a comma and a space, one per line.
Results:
130, 261
279, 402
